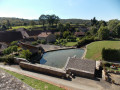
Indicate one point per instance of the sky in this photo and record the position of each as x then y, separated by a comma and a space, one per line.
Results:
65, 9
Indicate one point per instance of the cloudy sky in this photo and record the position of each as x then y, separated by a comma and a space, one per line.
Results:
80, 9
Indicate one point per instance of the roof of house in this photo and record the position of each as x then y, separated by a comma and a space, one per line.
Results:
44, 34
82, 65
79, 33
9, 36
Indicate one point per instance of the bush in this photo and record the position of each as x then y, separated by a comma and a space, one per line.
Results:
85, 41
8, 59
111, 54
13, 43
26, 54
10, 49
34, 43
43, 42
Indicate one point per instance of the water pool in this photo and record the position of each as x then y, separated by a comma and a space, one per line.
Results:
59, 58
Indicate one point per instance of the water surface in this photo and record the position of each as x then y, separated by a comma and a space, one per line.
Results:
59, 58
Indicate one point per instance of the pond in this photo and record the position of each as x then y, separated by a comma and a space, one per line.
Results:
58, 58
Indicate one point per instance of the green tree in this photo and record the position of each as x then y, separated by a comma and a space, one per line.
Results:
57, 19
112, 24
117, 30
66, 34
93, 21
67, 26
26, 54
60, 27
103, 33
93, 30
42, 19
32, 23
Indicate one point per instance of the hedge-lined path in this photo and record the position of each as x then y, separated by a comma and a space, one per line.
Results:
76, 84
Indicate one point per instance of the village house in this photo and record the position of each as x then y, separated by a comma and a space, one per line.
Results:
80, 67
47, 36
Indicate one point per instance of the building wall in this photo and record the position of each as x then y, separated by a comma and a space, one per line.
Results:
51, 38
80, 73
43, 69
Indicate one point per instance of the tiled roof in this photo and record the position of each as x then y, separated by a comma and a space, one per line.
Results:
44, 34
82, 65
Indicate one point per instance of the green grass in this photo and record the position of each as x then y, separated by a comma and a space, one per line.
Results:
37, 84
16, 27
94, 49
71, 43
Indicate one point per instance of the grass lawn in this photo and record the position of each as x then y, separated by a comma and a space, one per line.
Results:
108, 68
71, 43
94, 49
37, 84
16, 27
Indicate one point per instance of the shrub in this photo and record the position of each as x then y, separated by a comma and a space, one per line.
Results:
34, 43
111, 54
26, 54
10, 49
43, 42
13, 43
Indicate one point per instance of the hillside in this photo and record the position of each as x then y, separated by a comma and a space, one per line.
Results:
20, 22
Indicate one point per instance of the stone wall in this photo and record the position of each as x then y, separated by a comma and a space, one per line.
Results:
18, 60
80, 73
43, 69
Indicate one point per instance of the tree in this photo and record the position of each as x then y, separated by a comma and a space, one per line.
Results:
93, 21
117, 30
60, 27
26, 54
57, 19
3, 28
32, 23
112, 24
8, 25
42, 19
67, 26
66, 34
103, 33
93, 30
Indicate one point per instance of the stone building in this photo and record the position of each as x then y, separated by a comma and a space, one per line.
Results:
47, 36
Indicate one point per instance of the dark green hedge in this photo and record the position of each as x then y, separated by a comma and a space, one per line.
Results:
111, 54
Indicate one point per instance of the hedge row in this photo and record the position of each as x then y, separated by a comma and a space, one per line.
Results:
86, 41
111, 54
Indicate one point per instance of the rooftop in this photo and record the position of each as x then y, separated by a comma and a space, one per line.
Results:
82, 65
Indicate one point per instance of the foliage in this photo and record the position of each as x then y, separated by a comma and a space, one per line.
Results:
7, 58
60, 27
93, 22
42, 19
85, 41
13, 43
111, 54
103, 33
10, 49
117, 30
26, 54
43, 42
34, 43
93, 30
66, 34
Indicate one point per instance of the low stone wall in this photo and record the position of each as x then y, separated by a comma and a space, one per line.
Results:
43, 69
18, 60
80, 73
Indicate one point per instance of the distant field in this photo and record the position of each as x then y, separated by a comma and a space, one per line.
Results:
94, 49
16, 27
71, 43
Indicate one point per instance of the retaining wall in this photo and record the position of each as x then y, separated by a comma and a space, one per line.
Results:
80, 73
43, 69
